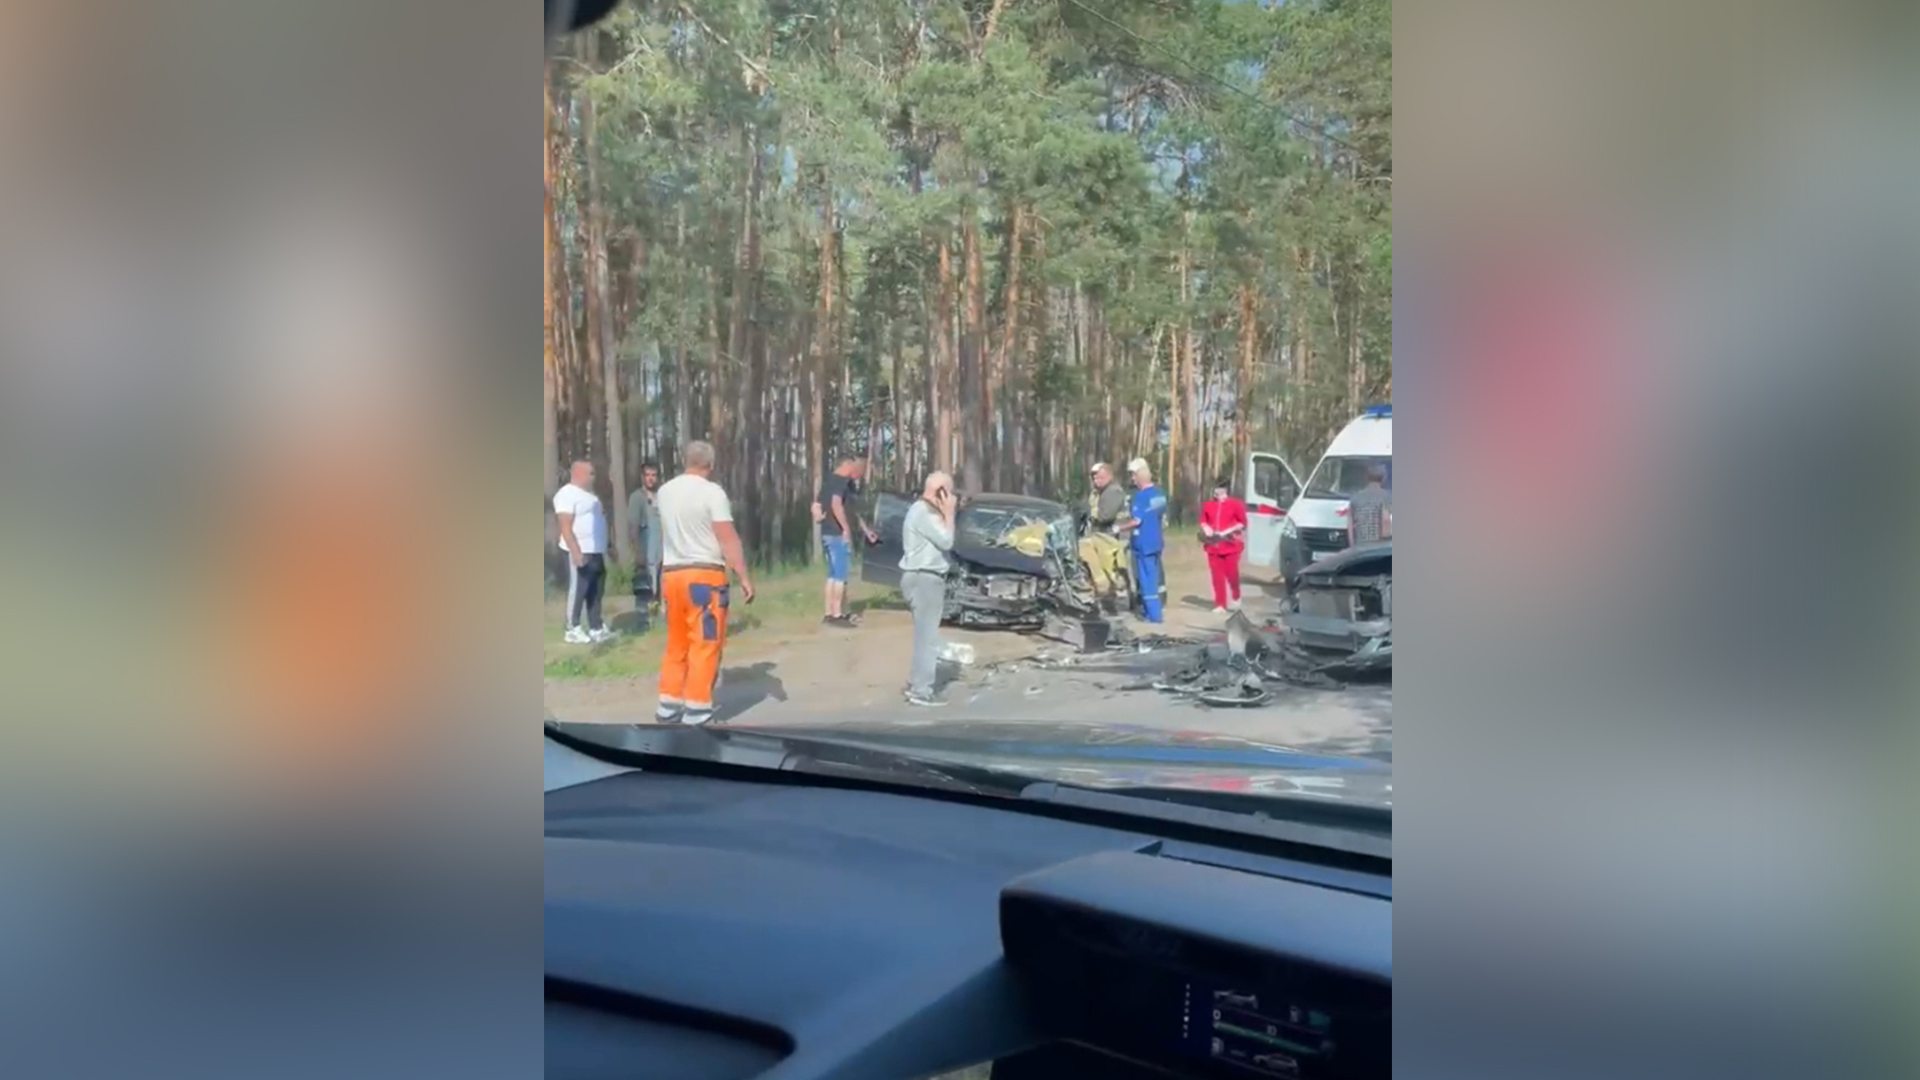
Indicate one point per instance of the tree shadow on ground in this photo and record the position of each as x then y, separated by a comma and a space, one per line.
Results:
633, 621
743, 687
891, 601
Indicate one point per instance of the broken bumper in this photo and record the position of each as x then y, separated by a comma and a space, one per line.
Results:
1331, 633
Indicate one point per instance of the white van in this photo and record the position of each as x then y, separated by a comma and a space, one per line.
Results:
1292, 532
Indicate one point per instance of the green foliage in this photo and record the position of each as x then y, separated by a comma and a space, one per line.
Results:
1249, 142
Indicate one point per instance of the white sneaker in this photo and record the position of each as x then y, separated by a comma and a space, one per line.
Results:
1219, 611
1234, 606
576, 636
605, 633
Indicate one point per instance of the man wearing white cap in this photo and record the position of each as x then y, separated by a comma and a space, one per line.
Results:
1100, 549
1147, 530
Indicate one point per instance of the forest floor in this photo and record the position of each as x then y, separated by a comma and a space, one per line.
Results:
783, 667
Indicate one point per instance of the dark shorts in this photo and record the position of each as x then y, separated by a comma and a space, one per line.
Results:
839, 557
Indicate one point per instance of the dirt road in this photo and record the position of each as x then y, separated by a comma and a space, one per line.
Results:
815, 674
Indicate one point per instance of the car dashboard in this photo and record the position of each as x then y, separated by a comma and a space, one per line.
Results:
715, 924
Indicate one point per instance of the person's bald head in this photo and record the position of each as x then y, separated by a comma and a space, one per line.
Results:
935, 482
581, 474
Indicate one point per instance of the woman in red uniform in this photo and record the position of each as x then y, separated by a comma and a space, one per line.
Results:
1223, 530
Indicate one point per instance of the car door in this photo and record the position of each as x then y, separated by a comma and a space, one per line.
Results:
1271, 488
880, 562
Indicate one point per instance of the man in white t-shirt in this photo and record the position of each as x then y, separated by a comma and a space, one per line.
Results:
583, 533
698, 545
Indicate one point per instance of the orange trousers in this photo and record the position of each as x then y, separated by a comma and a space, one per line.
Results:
695, 599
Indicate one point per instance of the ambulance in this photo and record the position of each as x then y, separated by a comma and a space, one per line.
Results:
1290, 524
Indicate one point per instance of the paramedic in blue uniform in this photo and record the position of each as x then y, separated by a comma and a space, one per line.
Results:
1146, 529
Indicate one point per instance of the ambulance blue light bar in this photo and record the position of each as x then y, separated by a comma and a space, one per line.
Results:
1383, 411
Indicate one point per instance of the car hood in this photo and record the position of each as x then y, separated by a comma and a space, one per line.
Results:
1341, 561
1103, 756
993, 557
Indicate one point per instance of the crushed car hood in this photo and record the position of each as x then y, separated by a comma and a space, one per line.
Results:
1104, 756
994, 557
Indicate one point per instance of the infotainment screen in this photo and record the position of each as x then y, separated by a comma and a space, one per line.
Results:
1195, 1003
1265, 1034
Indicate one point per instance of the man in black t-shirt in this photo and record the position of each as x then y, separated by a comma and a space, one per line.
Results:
837, 514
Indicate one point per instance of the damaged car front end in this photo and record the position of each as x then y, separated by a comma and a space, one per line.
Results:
1335, 628
1339, 610
1015, 565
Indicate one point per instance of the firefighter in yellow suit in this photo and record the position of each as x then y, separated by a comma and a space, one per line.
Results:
1101, 549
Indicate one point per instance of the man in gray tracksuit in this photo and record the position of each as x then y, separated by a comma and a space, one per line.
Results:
925, 539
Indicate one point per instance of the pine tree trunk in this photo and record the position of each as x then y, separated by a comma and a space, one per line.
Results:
600, 329
1177, 384
550, 380
817, 363
1243, 382
940, 382
902, 464
716, 399
732, 465
1008, 462
973, 402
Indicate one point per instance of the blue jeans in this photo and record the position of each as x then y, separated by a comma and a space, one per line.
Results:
839, 557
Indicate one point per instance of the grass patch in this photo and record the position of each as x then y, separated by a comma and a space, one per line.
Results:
787, 599
788, 602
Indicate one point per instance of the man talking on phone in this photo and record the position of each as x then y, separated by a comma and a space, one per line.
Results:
926, 537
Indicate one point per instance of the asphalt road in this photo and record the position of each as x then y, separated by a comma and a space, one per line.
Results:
833, 677
1355, 720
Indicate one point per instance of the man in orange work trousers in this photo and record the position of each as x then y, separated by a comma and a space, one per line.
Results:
698, 544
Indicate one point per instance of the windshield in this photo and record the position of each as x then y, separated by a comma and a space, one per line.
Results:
808, 248
1340, 477
1008, 526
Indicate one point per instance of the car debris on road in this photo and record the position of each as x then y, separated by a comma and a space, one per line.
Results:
1335, 628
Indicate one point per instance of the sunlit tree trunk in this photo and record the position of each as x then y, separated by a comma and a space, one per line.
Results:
817, 362
973, 401
1002, 377
550, 381
741, 313
600, 326
940, 382
1243, 392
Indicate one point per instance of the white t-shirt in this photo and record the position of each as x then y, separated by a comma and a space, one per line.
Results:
589, 519
689, 506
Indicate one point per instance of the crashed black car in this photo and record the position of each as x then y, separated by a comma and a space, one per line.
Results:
1339, 610
1015, 561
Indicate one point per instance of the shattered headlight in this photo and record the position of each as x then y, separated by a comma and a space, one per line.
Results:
1288, 529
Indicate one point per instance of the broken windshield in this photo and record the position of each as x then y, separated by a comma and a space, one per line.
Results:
1007, 526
